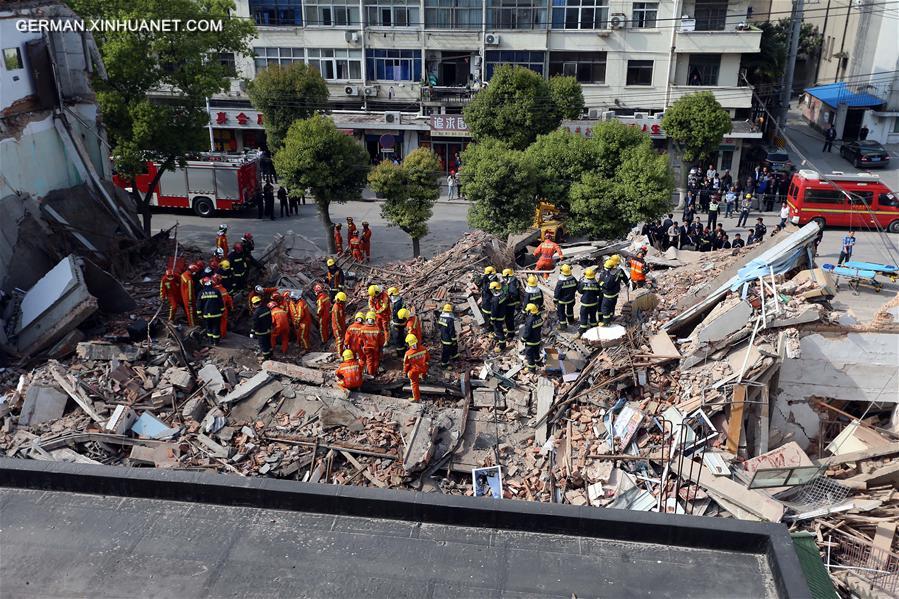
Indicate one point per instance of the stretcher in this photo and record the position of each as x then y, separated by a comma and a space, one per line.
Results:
857, 277
887, 270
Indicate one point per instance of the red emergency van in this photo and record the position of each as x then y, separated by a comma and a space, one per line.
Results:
858, 200
213, 181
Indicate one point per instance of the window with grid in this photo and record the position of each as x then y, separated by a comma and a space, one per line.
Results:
276, 12
703, 69
226, 59
392, 13
586, 67
453, 14
516, 14
393, 65
336, 64
331, 13
522, 58
710, 15
639, 72
644, 15
264, 57
580, 14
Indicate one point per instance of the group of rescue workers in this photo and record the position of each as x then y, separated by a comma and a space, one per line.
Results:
205, 292
358, 242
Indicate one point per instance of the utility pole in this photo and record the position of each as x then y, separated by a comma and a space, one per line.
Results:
795, 32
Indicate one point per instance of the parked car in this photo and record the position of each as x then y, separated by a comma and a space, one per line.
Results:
776, 159
865, 153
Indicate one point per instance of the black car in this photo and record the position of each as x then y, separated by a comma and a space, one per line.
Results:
777, 160
865, 153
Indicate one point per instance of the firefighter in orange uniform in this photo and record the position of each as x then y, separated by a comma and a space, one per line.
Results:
352, 338
372, 343
350, 227
227, 300
349, 373
189, 292
323, 311
639, 268
338, 239
366, 241
280, 326
411, 324
338, 320
301, 319
379, 303
355, 247
415, 364
170, 290
221, 238
545, 253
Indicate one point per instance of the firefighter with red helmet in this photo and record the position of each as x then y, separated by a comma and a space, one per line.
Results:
170, 290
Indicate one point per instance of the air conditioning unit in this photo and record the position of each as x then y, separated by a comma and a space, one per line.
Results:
491, 39
392, 117
370, 91
594, 113
608, 115
351, 90
640, 115
687, 23
352, 37
618, 20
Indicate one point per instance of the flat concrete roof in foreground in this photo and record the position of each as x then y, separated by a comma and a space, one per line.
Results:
74, 530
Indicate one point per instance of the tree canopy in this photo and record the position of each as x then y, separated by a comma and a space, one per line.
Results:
766, 67
184, 63
410, 190
568, 96
516, 106
696, 123
561, 158
318, 157
285, 94
500, 182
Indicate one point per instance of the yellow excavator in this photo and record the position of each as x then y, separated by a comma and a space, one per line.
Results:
548, 218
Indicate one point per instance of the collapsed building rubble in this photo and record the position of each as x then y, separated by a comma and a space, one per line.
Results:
695, 403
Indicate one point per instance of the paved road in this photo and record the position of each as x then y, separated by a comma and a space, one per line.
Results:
388, 244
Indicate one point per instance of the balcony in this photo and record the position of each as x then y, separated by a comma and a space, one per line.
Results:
731, 40
446, 96
727, 96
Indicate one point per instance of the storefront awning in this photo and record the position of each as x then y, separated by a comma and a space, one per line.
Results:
834, 94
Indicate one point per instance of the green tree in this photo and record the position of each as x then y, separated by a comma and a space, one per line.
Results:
606, 208
184, 63
516, 106
561, 158
285, 94
500, 183
696, 123
568, 96
765, 68
410, 190
316, 156
611, 141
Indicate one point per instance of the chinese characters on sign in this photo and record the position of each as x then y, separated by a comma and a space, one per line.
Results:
448, 125
235, 118
650, 126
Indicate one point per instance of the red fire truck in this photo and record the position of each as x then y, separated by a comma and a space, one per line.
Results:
213, 181
842, 200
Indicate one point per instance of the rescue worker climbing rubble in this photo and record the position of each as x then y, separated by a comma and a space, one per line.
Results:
546, 254
372, 343
449, 338
211, 307
280, 326
338, 240
610, 283
366, 241
170, 291
238, 267
396, 325
334, 277
483, 283
352, 338
349, 373
338, 320
588, 288
512, 289
415, 364
532, 336
227, 302
533, 294
323, 311
188, 293
379, 303
639, 268
498, 315
262, 326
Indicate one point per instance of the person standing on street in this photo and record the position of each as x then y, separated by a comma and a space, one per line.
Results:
674, 239
451, 186
830, 134
293, 204
282, 201
338, 239
714, 205
366, 240
260, 205
784, 215
268, 194
846, 247
745, 205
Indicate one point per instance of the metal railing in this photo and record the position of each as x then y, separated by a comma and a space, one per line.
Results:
873, 565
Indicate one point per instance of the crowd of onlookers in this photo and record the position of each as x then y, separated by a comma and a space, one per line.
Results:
712, 193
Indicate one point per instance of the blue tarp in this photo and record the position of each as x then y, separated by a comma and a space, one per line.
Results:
834, 94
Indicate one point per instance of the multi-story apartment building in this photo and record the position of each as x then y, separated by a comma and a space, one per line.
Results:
429, 57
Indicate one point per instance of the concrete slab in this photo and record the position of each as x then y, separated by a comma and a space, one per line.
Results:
724, 322
42, 404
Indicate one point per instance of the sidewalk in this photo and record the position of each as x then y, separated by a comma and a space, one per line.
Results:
369, 196
811, 143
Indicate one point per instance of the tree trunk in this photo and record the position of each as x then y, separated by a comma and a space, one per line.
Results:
327, 225
416, 247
